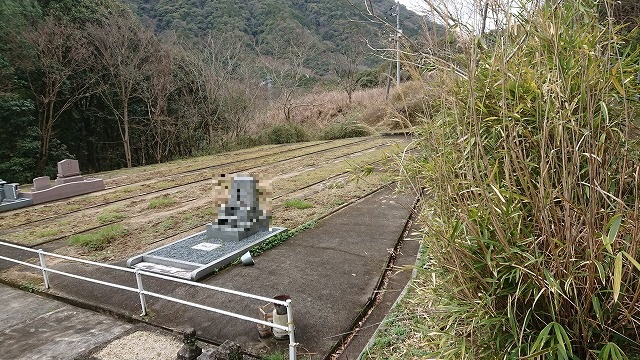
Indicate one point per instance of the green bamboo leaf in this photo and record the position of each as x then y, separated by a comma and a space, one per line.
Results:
601, 272
607, 244
633, 261
542, 338
614, 225
564, 345
604, 352
596, 307
605, 112
617, 276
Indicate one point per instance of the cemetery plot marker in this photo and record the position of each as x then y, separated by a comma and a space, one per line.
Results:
241, 224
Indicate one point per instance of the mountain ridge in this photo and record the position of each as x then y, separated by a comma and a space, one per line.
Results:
327, 29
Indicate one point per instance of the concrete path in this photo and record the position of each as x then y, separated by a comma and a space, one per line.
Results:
35, 327
331, 273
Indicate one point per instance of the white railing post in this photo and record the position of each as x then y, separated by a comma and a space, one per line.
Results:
143, 302
292, 336
43, 267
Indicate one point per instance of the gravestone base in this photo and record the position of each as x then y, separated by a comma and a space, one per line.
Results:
229, 233
198, 255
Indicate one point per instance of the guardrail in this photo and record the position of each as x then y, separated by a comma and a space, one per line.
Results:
289, 328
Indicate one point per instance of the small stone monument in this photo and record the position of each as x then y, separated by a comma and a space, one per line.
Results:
241, 216
68, 183
190, 350
68, 172
41, 183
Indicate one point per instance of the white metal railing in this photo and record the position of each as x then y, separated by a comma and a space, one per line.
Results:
289, 328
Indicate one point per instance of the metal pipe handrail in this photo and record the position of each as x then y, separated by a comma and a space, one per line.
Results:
290, 328
146, 273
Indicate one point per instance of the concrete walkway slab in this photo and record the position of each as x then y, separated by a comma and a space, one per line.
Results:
34, 327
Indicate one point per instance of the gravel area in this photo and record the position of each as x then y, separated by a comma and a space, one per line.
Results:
141, 345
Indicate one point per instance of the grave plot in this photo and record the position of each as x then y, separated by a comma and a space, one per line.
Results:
69, 183
240, 225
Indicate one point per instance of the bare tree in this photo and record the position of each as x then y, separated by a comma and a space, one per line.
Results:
215, 70
56, 53
346, 68
288, 72
122, 48
156, 90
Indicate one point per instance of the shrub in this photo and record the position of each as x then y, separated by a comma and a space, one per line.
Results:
347, 128
534, 230
285, 133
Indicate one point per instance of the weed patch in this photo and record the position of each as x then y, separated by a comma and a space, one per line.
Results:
47, 233
110, 215
161, 202
285, 133
297, 204
98, 240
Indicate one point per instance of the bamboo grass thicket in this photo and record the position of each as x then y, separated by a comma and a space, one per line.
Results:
532, 175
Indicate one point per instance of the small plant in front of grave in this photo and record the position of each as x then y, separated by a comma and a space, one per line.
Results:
298, 204
131, 189
209, 211
340, 202
71, 207
280, 238
98, 240
110, 215
161, 202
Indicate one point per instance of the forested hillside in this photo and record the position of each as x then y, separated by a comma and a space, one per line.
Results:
91, 80
327, 29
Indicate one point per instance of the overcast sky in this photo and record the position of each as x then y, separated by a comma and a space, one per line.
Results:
465, 10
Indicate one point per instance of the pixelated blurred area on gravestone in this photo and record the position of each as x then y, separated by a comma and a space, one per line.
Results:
241, 215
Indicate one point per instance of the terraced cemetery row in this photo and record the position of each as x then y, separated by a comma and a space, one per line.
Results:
159, 183
179, 210
92, 219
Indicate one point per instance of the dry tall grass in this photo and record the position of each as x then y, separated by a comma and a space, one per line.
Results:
318, 110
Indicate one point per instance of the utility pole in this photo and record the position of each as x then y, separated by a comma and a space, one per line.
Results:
398, 32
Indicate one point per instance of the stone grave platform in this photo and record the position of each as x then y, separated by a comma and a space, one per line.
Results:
198, 255
241, 224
